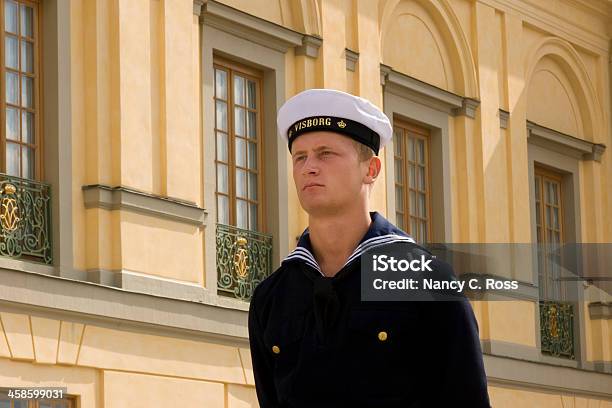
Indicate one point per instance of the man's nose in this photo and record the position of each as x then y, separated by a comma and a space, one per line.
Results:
310, 166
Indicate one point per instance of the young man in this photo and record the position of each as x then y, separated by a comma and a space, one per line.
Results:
314, 342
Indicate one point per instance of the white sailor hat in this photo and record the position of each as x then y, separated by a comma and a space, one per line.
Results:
336, 111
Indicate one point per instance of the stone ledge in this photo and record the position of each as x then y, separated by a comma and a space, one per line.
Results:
212, 316
124, 198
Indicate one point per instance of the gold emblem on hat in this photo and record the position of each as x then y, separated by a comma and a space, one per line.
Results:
341, 124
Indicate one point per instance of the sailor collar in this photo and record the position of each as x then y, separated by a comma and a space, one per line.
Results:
380, 232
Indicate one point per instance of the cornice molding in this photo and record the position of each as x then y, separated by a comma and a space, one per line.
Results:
352, 58
503, 118
564, 143
421, 92
310, 46
244, 25
123, 198
600, 310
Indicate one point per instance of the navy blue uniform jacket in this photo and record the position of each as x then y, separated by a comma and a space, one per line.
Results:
315, 344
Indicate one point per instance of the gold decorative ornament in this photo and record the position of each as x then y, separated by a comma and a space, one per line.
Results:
552, 314
241, 258
342, 124
382, 336
275, 349
9, 211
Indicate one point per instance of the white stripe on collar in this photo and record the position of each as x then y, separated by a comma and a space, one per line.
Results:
305, 255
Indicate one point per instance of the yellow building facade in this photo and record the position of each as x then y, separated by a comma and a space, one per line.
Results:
144, 134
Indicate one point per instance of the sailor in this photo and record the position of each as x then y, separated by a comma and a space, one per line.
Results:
314, 342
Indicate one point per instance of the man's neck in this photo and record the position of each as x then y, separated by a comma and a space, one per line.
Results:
334, 238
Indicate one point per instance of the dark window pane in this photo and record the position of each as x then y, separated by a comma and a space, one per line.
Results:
11, 58
27, 130
399, 198
27, 156
251, 94
241, 183
421, 177
252, 125
555, 219
238, 90
241, 214
398, 172
12, 159
240, 152
397, 142
222, 147
12, 123
27, 92
221, 84
27, 57
400, 220
27, 21
221, 115
11, 12
420, 151
253, 217
423, 231
411, 149
252, 152
222, 179
422, 210
12, 88
239, 118
413, 208
252, 186
222, 209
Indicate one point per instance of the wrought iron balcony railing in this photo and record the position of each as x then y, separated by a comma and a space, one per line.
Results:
244, 258
557, 329
25, 219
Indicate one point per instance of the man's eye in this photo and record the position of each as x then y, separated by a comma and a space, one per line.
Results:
326, 153
298, 158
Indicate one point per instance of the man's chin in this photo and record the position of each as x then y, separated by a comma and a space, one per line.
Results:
319, 207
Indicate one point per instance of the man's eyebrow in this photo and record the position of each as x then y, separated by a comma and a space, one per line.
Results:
316, 149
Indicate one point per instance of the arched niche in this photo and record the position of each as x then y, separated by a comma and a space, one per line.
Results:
306, 16
560, 94
423, 39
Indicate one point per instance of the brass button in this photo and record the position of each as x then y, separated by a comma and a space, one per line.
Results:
275, 349
382, 336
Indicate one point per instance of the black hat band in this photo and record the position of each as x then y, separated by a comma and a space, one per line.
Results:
350, 128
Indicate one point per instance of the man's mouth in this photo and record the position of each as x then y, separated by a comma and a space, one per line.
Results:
312, 185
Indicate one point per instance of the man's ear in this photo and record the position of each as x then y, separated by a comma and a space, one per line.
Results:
374, 166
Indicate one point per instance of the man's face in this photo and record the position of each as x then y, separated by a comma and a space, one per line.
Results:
327, 173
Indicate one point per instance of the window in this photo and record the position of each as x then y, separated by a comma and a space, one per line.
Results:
412, 190
556, 314
238, 146
20, 80
549, 222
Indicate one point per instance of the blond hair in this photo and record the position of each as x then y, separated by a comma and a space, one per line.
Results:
363, 152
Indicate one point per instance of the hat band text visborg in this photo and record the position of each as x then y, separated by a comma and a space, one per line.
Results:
354, 130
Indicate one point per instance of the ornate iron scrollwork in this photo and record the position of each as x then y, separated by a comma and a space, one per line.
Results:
244, 259
557, 329
25, 219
